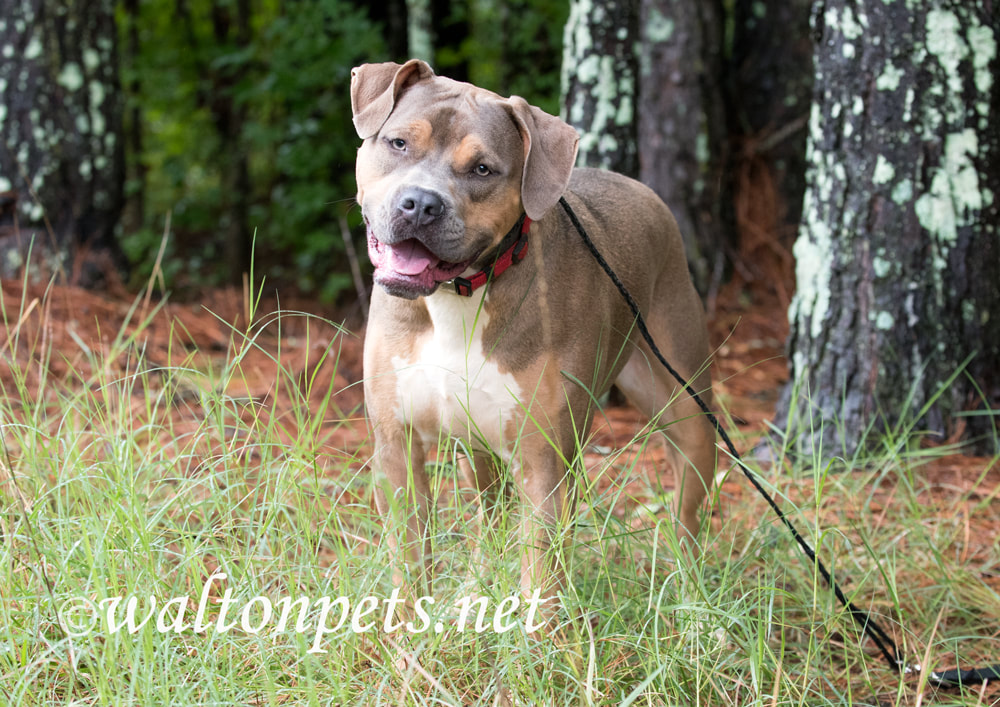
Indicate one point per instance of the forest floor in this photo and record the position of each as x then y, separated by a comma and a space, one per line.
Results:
58, 337
74, 331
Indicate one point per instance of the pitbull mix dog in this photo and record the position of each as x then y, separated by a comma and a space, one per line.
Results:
491, 321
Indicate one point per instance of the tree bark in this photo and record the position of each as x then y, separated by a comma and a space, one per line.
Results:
450, 22
392, 14
683, 128
420, 30
61, 146
599, 82
898, 258
134, 210
771, 76
230, 116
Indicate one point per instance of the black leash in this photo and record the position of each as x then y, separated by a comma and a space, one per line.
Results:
880, 638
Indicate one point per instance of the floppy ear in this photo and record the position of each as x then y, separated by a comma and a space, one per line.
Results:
375, 88
549, 154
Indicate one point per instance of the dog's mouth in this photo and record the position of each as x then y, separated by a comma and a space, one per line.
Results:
409, 268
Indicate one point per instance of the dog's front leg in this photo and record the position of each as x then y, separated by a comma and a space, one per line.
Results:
404, 500
547, 507
481, 473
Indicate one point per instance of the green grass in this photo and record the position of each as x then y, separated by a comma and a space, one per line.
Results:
128, 478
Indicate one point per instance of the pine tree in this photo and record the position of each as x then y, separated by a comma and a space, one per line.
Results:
898, 257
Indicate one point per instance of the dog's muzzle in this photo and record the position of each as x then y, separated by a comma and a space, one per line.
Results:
409, 268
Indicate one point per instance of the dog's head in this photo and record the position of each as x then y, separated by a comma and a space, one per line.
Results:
446, 169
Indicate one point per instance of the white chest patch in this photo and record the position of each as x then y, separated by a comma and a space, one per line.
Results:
451, 388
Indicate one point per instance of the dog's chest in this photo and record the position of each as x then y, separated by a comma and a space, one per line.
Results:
449, 386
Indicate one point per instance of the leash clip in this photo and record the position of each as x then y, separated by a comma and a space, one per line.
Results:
463, 287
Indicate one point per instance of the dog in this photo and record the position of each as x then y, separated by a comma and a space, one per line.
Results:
493, 324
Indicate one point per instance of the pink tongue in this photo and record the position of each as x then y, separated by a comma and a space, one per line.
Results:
410, 257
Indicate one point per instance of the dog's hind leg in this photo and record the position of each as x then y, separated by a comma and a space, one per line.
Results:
546, 511
690, 436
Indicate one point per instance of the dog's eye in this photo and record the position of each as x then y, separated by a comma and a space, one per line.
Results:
398, 143
483, 171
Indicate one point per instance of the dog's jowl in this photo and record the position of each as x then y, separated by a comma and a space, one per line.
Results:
491, 322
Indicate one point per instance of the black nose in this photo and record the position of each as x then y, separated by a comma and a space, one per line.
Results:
420, 206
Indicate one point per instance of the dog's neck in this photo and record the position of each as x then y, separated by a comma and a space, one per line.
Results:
511, 251
457, 318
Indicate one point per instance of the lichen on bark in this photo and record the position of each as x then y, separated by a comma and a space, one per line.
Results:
60, 99
898, 253
600, 80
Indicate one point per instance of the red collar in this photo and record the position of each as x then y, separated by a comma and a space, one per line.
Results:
513, 254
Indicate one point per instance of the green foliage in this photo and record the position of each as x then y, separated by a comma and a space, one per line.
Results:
287, 87
532, 50
302, 138
270, 91
125, 476
513, 47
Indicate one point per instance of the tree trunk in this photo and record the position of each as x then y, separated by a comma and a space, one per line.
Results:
771, 78
419, 29
61, 147
451, 28
134, 210
898, 257
682, 126
392, 14
599, 82
233, 29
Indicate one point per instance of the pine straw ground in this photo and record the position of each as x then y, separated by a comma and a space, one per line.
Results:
61, 337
